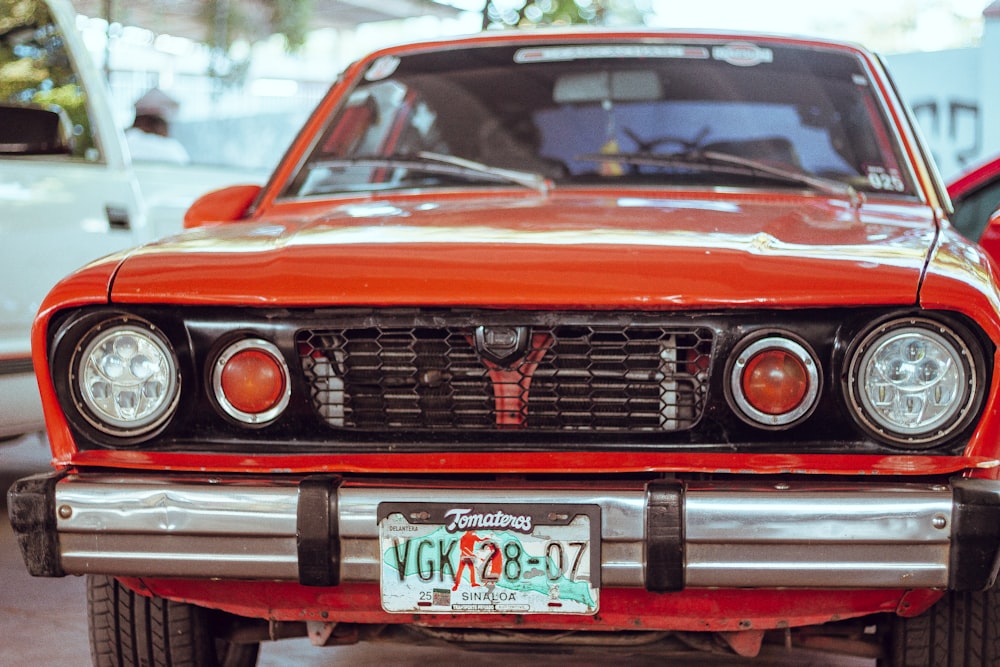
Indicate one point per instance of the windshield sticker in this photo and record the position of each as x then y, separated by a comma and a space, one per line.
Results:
563, 53
887, 180
742, 54
382, 68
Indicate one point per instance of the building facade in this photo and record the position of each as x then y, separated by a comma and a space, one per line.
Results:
955, 95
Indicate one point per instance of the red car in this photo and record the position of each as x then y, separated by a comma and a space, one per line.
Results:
567, 338
975, 195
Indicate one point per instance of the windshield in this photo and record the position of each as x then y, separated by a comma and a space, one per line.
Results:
36, 69
691, 114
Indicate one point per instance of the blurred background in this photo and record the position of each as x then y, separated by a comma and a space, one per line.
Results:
244, 74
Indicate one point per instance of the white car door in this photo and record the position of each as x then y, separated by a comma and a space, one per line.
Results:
60, 206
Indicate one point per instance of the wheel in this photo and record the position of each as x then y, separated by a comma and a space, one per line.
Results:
128, 630
961, 630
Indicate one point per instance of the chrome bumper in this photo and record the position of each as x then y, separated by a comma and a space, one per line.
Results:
661, 535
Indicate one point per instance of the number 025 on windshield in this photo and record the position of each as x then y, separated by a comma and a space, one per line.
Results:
489, 559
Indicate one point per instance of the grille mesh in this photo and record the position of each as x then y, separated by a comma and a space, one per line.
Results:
564, 378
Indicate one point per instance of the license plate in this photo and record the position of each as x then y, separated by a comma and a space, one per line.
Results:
489, 558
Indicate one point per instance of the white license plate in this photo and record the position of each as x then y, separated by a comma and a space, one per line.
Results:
489, 559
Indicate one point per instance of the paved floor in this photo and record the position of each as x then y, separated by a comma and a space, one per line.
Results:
43, 621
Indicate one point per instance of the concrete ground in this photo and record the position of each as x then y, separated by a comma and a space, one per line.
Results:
43, 621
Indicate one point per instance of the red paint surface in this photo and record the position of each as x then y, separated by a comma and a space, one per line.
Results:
620, 608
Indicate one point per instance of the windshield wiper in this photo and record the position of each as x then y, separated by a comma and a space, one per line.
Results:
528, 179
732, 164
439, 163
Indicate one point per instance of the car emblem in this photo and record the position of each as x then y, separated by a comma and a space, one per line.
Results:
502, 345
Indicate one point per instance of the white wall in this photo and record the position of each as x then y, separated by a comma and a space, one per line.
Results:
989, 79
955, 96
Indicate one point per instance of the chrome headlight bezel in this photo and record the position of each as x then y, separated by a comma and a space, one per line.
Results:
124, 377
273, 354
906, 364
796, 349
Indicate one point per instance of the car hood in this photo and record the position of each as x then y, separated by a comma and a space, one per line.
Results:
558, 250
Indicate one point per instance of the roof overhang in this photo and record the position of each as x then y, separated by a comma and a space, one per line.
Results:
186, 18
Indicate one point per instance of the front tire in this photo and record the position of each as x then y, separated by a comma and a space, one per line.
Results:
961, 630
127, 630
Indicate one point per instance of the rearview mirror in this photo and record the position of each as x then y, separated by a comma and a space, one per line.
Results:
623, 86
34, 130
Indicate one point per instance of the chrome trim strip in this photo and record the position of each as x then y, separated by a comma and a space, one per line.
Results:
818, 516
159, 527
811, 535
818, 538
126, 506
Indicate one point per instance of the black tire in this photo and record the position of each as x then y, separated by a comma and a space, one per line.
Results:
961, 630
128, 630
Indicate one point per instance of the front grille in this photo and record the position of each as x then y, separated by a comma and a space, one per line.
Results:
536, 378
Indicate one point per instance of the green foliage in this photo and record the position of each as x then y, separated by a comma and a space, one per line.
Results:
229, 20
507, 13
291, 18
70, 99
35, 68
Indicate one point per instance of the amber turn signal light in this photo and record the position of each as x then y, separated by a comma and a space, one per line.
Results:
250, 382
774, 382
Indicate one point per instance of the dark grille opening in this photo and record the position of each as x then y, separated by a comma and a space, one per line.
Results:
563, 378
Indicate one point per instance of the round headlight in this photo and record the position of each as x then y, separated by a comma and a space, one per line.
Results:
774, 382
913, 382
126, 378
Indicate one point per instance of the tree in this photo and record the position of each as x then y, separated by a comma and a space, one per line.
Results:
252, 20
519, 13
35, 67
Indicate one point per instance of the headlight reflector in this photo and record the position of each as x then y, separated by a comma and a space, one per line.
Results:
913, 381
127, 379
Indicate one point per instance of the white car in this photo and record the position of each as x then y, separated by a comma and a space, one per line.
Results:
68, 191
